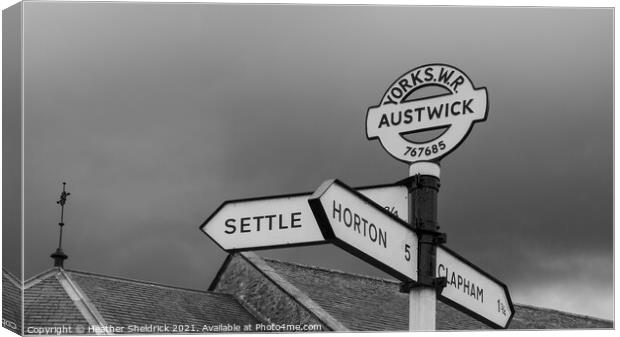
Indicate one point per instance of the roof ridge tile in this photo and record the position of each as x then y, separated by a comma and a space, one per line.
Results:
252, 310
81, 301
12, 278
40, 277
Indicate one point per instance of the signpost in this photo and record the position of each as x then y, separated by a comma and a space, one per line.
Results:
365, 229
393, 227
283, 221
472, 290
467, 287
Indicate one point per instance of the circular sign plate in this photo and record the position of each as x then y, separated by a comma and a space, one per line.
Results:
457, 110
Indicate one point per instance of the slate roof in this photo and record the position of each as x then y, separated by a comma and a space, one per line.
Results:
369, 304
73, 298
46, 301
11, 301
122, 302
247, 290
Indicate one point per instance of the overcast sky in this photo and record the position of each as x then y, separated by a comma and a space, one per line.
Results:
155, 114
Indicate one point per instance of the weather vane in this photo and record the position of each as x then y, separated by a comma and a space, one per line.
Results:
62, 201
59, 256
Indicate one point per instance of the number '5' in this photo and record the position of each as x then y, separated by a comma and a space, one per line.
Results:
407, 252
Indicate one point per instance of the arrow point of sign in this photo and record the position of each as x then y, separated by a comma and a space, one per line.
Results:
213, 214
203, 226
488, 312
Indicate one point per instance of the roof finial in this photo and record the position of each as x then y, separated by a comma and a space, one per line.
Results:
59, 256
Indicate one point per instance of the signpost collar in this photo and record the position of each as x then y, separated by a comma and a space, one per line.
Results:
425, 168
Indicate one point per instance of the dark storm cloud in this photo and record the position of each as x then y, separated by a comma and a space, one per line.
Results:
157, 113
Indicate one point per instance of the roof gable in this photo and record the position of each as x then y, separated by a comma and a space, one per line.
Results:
278, 301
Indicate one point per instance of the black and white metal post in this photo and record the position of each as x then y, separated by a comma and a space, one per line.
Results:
423, 184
